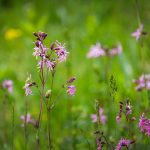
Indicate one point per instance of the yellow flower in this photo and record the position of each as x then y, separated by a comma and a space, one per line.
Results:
11, 34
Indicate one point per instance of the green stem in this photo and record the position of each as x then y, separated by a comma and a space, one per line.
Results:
13, 124
48, 126
25, 125
137, 11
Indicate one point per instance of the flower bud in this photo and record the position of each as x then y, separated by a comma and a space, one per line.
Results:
133, 119
35, 34
48, 94
52, 46
32, 84
71, 80
36, 43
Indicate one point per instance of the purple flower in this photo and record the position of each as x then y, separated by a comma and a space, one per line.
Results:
116, 50
122, 143
118, 118
27, 119
71, 90
94, 117
8, 84
37, 52
61, 51
102, 118
128, 109
28, 91
27, 86
99, 145
49, 65
40, 49
143, 82
138, 32
144, 125
96, 51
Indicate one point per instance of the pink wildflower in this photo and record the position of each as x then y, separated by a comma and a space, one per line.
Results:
144, 125
94, 117
37, 52
27, 86
61, 51
116, 50
27, 119
102, 118
8, 84
40, 49
46, 62
143, 82
96, 51
118, 117
128, 109
122, 143
138, 32
99, 145
49, 65
71, 90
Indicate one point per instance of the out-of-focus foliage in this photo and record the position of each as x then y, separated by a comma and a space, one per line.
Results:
79, 24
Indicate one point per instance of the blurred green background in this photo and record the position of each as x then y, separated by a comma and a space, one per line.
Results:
79, 24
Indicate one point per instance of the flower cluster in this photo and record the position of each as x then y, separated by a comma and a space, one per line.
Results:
97, 51
27, 119
143, 82
138, 32
123, 143
144, 125
46, 54
102, 117
127, 109
8, 85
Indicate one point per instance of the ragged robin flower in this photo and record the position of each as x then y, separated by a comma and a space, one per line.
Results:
8, 85
28, 85
144, 125
102, 118
27, 119
137, 34
96, 51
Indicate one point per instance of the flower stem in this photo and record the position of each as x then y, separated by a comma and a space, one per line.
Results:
41, 106
13, 124
25, 126
48, 126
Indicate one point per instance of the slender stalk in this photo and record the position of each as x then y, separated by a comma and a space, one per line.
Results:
88, 143
111, 147
13, 124
25, 125
4, 100
137, 11
49, 112
38, 125
99, 124
41, 106
52, 84
49, 131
